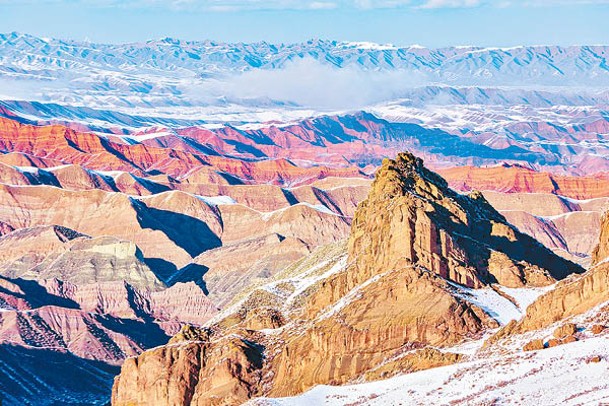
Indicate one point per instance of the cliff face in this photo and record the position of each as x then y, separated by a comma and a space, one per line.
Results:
203, 372
601, 252
573, 296
340, 316
412, 215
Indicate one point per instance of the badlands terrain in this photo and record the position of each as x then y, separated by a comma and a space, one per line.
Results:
164, 245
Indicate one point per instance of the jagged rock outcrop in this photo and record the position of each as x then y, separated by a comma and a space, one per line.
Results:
172, 374
573, 296
569, 298
459, 237
337, 317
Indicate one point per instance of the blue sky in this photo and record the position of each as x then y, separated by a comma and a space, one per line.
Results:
432, 23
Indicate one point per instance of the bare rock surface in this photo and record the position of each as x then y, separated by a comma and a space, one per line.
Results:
339, 314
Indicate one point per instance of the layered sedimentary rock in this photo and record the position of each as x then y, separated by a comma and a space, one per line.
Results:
95, 213
342, 312
105, 323
82, 332
567, 226
170, 228
228, 270
516, 178
461, 238
574, 296
601, 252
182, 208
58, 284
208, 162
57, 143
68, 300
36, 242
56, 252
286, 155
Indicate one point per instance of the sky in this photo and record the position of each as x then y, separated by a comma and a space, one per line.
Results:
431, 23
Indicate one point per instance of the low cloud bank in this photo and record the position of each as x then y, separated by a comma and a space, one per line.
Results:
309, 83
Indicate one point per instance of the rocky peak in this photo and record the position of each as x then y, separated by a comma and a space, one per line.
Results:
412, 216
407, 174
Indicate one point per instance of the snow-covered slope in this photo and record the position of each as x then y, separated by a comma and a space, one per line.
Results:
554, 376
575, 373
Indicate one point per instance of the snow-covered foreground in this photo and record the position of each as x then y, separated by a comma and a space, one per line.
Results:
560, 375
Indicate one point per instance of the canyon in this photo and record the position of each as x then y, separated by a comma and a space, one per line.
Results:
104, 238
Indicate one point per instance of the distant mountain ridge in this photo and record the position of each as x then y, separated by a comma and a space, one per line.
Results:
581, 65
175, 81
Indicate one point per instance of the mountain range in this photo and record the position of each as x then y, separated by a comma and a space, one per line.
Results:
182, 77
548, 65
188, 222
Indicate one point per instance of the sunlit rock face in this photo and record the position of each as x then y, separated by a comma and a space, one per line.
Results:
390, 293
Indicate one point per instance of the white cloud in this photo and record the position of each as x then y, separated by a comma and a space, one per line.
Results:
451, 3
322, 5
372, 4
312, 84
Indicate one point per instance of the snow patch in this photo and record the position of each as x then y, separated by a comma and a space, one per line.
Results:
372, 46
304, 281
148, 136
217, 200
56, 168
318, 207
350, 297
26, 169
495, 305
525, 296
112, 174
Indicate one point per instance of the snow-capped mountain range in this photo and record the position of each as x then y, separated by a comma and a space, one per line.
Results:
320, 74
467, 65
537, 99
